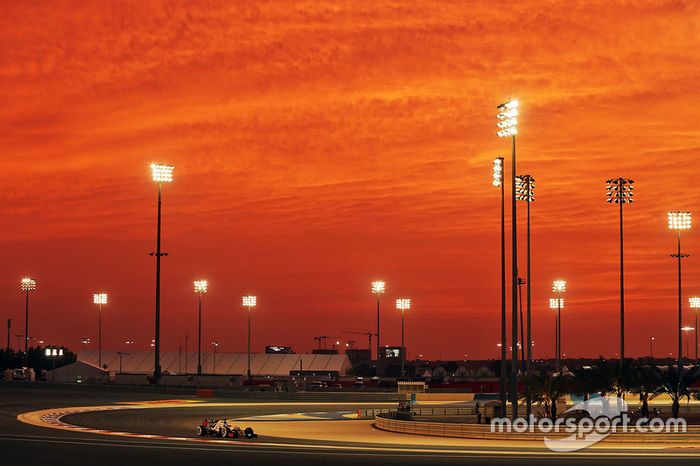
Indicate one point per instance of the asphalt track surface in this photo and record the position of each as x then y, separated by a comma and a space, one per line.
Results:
24, 444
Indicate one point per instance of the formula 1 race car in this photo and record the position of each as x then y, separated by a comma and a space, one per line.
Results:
221, 428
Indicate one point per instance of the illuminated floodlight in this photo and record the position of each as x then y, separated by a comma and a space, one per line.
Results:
687, 328
525, 188
378, 287
556, 303
679, 220
498, 171
162, 173
403, 304
559, 286
28, 284
99, 298
200, 286
620, 190
694, 302
507, 116
250, 301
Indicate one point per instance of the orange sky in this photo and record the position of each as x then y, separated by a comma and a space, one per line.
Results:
318, 147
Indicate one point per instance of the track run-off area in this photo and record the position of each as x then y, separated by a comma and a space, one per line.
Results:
300, 432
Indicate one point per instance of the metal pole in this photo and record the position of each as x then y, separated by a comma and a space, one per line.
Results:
156, 362
696, 337
379, 371
403, 346
558, 332
528, 402
99, 338
249, 314
9, 330
514, 317
53, 372
502, 381
651, 347
621, 187
187, 337
680, 309
26, 325
199, 339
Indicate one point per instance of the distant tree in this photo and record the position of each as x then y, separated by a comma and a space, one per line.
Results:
546, 390
645, 380
677, 384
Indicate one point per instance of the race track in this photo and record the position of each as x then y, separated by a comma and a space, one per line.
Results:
136, 433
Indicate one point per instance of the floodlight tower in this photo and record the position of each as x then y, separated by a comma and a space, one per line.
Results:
526, 192
161, 174
508, 127
378, 288
619, 191
498, 167
559, 287
249, 302
695, 305
403, 304
200, 287
679, 221
27, 285
557, 304
100, 299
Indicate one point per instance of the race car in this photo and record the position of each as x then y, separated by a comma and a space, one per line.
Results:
221, 428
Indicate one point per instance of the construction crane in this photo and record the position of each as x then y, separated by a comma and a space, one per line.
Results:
369, 336
321, 339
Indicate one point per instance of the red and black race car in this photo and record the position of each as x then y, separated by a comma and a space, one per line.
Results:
221, 428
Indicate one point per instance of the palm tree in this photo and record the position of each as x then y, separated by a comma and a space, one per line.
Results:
645, 380
677, 384
587, 380
546, 390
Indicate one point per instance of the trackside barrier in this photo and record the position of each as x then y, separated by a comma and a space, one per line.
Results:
384, 421
370, 413
205, 393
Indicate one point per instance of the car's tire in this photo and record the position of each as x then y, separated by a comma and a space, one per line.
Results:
201, 432
249, 432
223, 432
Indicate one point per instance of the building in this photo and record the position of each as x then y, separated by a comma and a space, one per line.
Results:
261, 365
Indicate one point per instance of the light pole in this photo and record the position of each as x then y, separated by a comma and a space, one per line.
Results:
556, 304
27, 284
99, 299
695, 305
378, 288
559, 287
651, 347
200, 287
619, 191
498, 182
161, 174
687, 329
403, 304
249, 302
121, 354
679, 221
215, 344
85, 341
508, 127
53, 353
526, 192
187, 339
